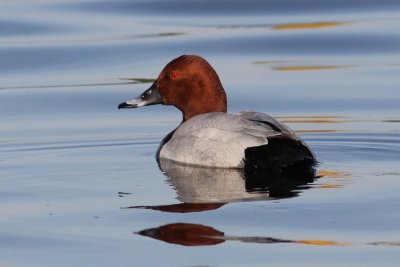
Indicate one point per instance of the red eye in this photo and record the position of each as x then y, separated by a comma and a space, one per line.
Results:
174, 75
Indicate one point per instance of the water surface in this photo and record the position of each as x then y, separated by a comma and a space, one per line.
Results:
79, 182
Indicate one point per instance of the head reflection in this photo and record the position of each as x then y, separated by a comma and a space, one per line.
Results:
188, 234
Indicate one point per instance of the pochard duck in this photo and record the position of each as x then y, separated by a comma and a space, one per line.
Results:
209, 136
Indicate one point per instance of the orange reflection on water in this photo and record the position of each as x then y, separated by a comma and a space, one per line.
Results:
331, 174
330, 186
300, 65
339, 182
320, 119
320, 243
310, 25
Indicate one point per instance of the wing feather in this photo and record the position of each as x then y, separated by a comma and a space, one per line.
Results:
219, 139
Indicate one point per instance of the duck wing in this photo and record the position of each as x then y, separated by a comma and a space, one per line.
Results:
219, 139
283, 152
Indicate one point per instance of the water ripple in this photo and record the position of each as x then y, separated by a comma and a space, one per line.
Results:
227, 7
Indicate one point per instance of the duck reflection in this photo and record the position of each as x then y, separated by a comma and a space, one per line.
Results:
188, 234
185, 234
210, 185
201, 189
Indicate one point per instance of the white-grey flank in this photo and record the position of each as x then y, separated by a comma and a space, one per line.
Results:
219, 139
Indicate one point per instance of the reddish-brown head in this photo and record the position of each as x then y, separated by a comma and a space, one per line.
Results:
190, 84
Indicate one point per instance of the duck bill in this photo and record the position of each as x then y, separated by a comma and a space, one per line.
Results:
149, 97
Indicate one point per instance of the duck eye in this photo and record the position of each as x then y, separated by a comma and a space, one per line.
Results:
174, 75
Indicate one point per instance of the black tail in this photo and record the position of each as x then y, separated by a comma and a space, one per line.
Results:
280, 155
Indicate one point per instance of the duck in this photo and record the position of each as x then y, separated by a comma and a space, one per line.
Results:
210, 137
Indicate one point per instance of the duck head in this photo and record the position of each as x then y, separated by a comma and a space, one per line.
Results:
189, 83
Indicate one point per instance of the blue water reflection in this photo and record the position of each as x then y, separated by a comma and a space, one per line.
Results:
71, 164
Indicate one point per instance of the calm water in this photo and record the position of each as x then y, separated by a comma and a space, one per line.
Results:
79, 185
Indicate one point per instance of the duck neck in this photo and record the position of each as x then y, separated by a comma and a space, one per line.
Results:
204, 102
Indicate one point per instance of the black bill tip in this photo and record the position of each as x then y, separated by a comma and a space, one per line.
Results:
126, 105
